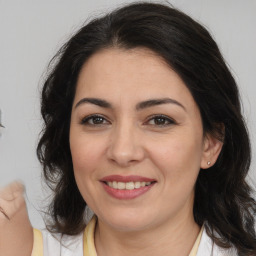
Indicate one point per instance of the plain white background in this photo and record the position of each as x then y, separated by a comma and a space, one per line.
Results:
33, 30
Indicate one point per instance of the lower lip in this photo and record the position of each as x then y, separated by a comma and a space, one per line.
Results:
125, 194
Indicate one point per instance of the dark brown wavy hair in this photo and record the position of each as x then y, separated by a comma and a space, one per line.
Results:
223, 198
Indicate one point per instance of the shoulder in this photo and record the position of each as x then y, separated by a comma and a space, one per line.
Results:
208, 248
65, 245
62, 244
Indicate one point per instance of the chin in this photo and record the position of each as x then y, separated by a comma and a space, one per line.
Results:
128, 222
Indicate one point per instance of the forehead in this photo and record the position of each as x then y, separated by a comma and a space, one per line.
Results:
129, 76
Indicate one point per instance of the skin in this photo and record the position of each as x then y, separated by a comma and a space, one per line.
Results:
131, 141
128, 141
16, 233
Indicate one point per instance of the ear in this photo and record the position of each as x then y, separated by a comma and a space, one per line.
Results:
211, 150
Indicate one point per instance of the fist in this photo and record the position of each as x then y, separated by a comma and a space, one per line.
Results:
11, 200
16, 232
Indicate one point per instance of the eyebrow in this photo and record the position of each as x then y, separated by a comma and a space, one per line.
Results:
94, 101
140, 106
155, 102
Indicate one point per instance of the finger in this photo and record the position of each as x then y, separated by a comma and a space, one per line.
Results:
2, 213
11, 199
12, 190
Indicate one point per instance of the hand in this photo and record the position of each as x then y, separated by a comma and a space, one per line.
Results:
11, 200
16, 232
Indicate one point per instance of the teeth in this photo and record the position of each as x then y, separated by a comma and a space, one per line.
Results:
114, 184
120, 185
110, 184
127, 185
137, 184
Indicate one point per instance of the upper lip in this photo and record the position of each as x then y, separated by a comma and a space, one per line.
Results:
129, 178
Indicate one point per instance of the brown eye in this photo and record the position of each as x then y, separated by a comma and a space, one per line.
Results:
160, 120
94, 120
97, 120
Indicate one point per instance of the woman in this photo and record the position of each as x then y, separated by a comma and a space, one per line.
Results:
143, 125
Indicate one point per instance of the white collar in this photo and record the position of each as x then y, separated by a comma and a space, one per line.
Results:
208, 248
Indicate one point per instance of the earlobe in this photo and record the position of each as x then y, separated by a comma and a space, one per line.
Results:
211, 150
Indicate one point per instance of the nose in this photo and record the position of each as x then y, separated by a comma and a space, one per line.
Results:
125, 147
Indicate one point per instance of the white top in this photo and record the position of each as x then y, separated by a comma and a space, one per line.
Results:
83, 244
69, 245
208, 248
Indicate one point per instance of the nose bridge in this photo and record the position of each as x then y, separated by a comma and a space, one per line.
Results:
124, 145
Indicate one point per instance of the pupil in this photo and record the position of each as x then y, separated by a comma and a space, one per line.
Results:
160, 121
97, 120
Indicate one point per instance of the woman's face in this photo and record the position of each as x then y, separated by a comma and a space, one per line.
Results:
136, 140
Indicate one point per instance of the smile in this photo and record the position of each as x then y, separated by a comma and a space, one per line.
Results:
128, 185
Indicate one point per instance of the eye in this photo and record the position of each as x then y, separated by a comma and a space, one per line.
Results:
94, 120
160, 120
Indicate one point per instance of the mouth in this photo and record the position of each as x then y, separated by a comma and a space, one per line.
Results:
127, 187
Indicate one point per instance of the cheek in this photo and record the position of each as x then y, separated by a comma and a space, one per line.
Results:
85, 154
178, 159
83, 159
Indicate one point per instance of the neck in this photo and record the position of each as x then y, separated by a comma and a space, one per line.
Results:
175, 237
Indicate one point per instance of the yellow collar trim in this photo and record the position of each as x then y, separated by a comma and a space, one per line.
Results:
38, 243
89, 245
197, 242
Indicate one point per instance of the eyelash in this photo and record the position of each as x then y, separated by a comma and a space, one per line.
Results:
170, 121
85, 121
162, 117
